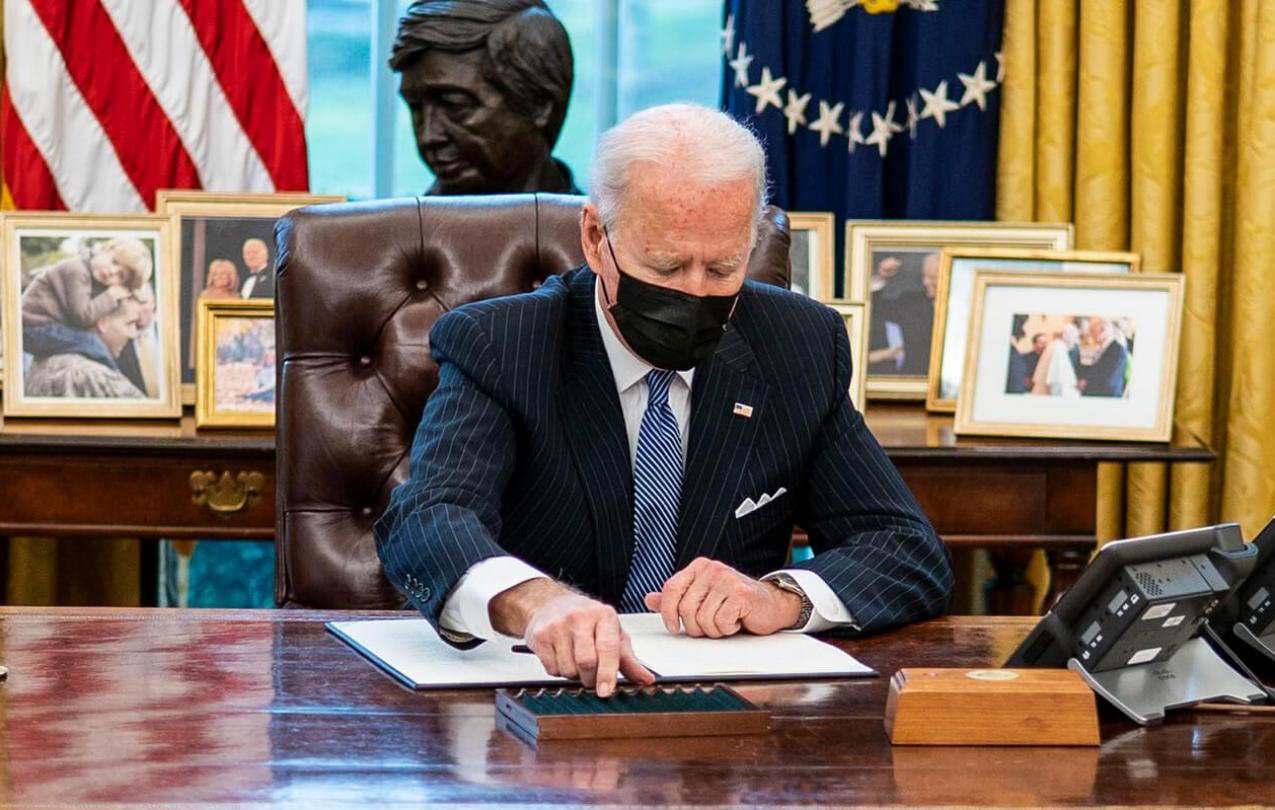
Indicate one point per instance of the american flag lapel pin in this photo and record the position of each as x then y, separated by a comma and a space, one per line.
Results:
743, 410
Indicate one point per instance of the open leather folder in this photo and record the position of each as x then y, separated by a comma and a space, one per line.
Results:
411, 651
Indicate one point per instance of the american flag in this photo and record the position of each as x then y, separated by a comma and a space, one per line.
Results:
106, 101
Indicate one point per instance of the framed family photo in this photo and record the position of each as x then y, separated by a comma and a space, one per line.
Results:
957, 267
236, 369
893, 266
1090, 356
855, 317
90, 316
812, 253
224, 250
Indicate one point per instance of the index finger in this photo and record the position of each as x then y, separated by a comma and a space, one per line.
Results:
671, 596
607, 645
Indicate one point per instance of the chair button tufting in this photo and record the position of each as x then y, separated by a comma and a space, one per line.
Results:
422, 285
365, 360
366, 511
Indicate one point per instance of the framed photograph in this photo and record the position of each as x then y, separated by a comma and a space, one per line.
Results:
812, 253
855, 317
224, 250
893, 266
90, 316
956, 289
236, 379
1075, 356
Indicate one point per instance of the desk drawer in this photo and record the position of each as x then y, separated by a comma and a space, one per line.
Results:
1023, 499
166, 496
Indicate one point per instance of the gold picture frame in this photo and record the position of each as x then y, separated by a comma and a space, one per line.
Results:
952, 304
1123, 391
255, 214
854, 315
812, 253
256, 362
130, 349
910, 242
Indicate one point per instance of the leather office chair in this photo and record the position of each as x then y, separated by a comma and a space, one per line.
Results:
358, 287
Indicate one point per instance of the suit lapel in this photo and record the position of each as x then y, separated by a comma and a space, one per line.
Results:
720, 443
594, 425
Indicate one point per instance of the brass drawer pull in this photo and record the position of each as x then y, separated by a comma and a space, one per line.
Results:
226, 495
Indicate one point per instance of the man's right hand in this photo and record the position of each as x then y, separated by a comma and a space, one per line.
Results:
572, 635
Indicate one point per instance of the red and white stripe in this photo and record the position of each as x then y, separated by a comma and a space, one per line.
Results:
107, 101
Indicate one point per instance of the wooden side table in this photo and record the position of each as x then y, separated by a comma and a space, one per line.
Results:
167, 480
1011, 496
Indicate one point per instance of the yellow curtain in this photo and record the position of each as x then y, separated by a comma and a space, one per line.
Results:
1151, 125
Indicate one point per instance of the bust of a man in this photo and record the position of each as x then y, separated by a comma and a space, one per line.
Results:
487, 83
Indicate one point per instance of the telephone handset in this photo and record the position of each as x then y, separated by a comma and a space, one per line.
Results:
1249, 615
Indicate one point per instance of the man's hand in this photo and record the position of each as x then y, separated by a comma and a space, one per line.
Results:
572, 635
712, 599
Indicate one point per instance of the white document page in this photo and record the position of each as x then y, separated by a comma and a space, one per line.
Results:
411, 651
782, 655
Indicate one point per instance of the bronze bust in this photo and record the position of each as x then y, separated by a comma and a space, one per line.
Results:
487, 82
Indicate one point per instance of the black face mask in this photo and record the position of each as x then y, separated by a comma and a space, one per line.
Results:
667, 328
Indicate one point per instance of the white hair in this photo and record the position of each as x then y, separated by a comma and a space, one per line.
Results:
708, 147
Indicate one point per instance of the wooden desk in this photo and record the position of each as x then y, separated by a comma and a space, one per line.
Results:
135, 480
265, 709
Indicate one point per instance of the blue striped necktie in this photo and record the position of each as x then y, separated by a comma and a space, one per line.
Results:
657, 491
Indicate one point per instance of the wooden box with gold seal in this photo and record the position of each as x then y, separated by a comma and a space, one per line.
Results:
990, 707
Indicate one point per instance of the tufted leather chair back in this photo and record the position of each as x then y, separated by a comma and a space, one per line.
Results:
358, 287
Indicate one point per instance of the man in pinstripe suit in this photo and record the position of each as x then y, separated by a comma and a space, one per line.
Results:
645, 431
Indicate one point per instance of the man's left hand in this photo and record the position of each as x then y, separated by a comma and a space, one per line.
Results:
712, 599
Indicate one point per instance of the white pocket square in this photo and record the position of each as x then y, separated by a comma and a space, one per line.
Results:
748, 505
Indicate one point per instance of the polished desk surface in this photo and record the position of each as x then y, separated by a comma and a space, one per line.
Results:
116, 707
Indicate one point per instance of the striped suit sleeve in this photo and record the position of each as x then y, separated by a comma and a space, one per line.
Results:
873, 544
446, 517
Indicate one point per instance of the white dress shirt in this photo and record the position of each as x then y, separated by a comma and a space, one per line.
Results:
465, 610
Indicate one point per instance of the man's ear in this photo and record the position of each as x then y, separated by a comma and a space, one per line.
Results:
541, 117
591, 235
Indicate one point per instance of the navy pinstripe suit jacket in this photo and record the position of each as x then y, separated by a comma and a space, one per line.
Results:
522, 449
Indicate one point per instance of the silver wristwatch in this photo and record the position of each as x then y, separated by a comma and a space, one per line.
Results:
786, 583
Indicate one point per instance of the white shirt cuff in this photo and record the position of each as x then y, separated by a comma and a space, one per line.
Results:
828, 612
465, 611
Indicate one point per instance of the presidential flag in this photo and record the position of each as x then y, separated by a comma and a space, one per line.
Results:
870, 108
106, 101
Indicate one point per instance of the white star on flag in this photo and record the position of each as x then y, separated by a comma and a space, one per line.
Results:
740, 65
912, 119
767, 90
976, 87
1000, 67
795, 110
895, 126
937, 104
883, 129
853, 131
728, 35
829, 122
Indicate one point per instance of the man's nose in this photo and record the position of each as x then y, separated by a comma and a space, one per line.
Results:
432, 132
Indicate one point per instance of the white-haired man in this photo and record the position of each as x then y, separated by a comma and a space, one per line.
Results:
642, 433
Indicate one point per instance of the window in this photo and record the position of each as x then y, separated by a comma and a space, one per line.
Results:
629, 54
